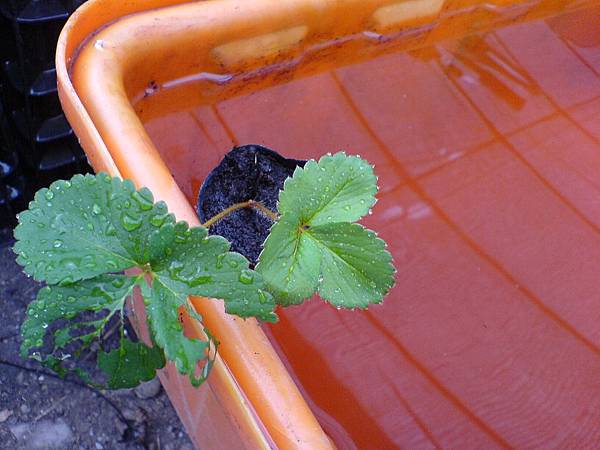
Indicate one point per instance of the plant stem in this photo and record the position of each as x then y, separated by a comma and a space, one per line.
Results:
266, 211
248, 204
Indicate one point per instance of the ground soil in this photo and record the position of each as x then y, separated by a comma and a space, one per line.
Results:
249, 172
40, 411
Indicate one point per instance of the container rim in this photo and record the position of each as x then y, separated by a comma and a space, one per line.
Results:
249, 378
102, 62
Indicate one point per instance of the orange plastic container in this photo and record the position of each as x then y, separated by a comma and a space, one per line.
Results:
483, 122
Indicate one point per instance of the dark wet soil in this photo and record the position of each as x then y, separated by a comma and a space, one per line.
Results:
249, 172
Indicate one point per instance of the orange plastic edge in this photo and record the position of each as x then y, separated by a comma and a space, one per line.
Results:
127, 48
286, 419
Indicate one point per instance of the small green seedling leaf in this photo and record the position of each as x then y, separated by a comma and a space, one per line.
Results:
357, 270
77, 234
315, 247
202, 265
290, 262
88, 226
105, 293
163, 316
130, 364
338, 188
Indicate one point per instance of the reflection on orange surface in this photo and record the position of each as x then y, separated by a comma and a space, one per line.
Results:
488, 153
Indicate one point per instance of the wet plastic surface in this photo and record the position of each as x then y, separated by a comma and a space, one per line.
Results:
487, 151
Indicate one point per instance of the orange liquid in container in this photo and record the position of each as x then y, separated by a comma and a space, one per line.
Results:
487, 150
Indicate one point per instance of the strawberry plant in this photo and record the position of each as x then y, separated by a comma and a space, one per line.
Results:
95, 239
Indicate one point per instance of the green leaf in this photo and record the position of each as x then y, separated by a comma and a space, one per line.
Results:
105, 292
78, 231
163, 316
315, 247
130, 364
290, 263
202, 265
88, 226
338, 188
357, 270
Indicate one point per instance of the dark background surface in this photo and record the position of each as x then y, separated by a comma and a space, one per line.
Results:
41, 411
37, 146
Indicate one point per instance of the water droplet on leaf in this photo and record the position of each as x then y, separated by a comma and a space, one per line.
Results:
144, 198
246, 276
118, 282
66, 281
181, 238
129, 222
174, 268
158, 219
262, 297
201, 279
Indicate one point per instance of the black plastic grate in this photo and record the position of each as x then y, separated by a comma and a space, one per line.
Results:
37, 145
